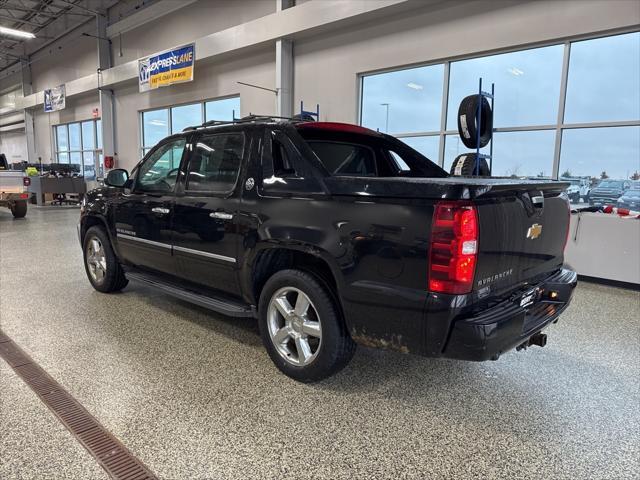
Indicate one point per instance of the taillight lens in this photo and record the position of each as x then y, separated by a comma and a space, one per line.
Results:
26, 181
454, 247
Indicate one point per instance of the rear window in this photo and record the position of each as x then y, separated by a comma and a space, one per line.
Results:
345, 158
354, 154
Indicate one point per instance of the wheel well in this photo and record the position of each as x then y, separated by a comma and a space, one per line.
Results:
90, 221
273, 260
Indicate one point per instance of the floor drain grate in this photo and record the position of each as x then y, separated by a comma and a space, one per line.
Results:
119, 463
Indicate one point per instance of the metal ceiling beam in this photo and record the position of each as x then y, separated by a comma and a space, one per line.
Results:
148, 14
81, 7
44, 13
22, 20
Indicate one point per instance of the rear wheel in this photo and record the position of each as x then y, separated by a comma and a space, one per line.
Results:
302, 328
19, 209
102, 267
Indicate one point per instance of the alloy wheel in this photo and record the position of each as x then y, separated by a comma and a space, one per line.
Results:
294, 326
96, 260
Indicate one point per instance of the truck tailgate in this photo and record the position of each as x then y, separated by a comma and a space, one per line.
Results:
520, 241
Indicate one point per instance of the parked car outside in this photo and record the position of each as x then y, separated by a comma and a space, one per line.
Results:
578, 189
608, 191
631, 198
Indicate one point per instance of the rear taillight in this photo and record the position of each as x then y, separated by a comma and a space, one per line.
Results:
26, 181
454, 247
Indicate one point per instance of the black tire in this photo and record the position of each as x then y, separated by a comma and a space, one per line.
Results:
467, 121
113, 279
465, 165
336, 348
19, 209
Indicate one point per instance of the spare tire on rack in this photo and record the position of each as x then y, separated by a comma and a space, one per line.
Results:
464, 165
467, 121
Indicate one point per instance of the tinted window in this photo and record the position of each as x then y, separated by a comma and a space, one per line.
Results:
215, 162
345, 158
159, 171
282, 164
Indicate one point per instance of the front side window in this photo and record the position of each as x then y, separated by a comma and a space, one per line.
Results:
215, 163
159, 172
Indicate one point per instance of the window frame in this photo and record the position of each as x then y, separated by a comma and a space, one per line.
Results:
136, 187
96, 151
144, 149
214, 193
558, 127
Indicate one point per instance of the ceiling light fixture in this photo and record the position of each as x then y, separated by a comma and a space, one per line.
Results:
16, 33
415, 86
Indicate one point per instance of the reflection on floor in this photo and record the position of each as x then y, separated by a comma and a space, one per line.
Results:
194, 395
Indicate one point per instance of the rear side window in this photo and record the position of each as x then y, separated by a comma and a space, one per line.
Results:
215, 163
345, 158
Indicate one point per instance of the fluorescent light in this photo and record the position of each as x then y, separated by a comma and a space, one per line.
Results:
16, 33
515, 71
415, 86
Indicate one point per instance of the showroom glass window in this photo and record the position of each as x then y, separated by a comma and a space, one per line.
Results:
603, 103
160, 123
405, 103
587, 132
80, 143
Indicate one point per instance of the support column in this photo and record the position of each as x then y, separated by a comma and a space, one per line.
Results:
29, 131
106, 95
284, 69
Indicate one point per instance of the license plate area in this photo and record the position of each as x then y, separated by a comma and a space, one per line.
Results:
529, 297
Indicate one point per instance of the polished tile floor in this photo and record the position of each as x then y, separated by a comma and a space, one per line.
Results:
194, 395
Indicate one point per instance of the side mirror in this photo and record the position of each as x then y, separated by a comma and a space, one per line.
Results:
117, 178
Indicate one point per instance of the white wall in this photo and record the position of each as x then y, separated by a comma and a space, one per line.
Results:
77, 109
14, 146
72, 57
195, 20
211, 81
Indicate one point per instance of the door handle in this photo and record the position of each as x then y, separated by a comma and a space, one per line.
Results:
160, 210
221, 215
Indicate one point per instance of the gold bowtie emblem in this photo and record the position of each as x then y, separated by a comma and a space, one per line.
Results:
534, 231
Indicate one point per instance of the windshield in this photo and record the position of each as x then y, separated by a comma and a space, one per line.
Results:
635, 193
610, 184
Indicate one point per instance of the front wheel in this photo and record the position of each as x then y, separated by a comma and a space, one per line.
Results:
302, 328
102, 267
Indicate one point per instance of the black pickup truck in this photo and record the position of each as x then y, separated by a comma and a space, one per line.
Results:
334, 235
